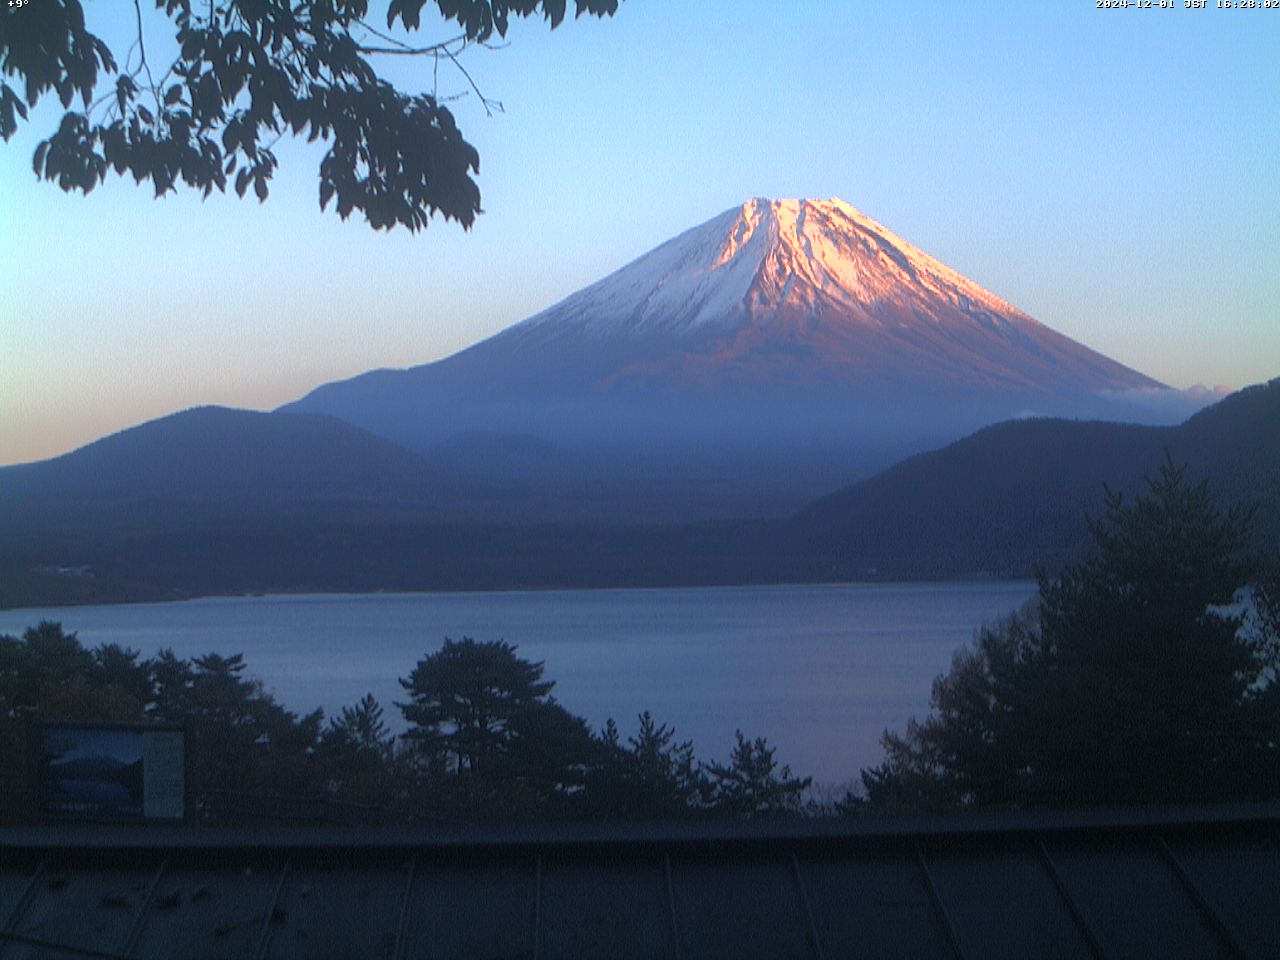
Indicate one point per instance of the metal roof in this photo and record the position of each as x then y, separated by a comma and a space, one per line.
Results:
1161, 883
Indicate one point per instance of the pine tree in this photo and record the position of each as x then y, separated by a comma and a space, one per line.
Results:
1137, 679
464, 699
751, 785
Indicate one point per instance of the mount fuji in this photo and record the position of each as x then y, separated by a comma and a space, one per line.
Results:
779, 349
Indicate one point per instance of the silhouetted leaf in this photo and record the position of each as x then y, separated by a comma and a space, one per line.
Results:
399, 158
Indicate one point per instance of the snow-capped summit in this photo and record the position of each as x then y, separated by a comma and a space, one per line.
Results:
818, 278
752, 259
799, 333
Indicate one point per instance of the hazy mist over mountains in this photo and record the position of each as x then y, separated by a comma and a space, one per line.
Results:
744, 367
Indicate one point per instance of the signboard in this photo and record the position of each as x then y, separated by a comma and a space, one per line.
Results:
110, 771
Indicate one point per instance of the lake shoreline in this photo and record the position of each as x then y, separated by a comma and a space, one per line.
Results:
970, 578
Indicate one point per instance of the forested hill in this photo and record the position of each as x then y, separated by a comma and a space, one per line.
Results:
215, 501
217, 452
217, 463
1015, 495
1237, 443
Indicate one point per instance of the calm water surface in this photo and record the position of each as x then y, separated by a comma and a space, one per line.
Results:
818, 670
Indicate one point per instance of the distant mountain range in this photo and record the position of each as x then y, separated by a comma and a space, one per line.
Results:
89, 527
661, 426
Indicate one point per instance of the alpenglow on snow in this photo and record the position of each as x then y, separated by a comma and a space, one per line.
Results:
797, 329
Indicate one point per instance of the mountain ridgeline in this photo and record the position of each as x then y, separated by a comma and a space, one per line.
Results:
682, 421
999, 503
1014, 496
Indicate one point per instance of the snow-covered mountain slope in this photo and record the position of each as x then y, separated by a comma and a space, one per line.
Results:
817, 255
787, 328
789, 289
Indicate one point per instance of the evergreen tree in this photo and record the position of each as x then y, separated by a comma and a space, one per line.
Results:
550, 753
120, 667
1135, 680
356, 756
652, 777
751, 785
45, 657
360, 730
49, 673
465, 698
241, 742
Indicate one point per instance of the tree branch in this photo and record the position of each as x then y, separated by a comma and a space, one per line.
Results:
484, 101
142, 53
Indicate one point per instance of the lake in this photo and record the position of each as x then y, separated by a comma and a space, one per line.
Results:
820, 671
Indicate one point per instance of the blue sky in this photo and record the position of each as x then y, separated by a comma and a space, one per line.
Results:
1111, 172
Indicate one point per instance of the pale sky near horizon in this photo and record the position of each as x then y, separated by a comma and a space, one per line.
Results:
1113, 173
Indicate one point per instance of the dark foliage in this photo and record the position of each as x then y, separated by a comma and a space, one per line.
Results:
655, 777
551, 754
357, 757
1266, 595
246, 73
468, 701
1135, 679
486, 732
751, 785
240, 740
360, 732
651, 777
486, 742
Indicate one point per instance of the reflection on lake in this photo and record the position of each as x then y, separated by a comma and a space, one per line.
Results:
819, 670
